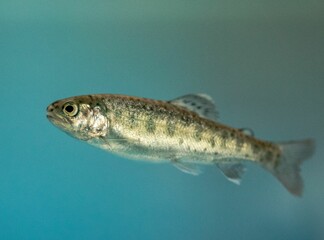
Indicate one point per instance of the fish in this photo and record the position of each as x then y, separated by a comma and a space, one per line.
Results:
185, 132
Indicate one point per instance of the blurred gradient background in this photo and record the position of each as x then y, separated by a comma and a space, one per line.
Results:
262, 62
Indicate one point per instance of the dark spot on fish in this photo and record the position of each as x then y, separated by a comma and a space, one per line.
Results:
180, 141
184, 118
150, 125
198, 107
161, 110
112, 107
224, 134
276, 162
170, 128
239, 144
268, 156
256, 148
91, 97
143, 106
205, 149
246, 155
193, 104
215, 153
198, 133
169, 113
223, 138
186, 121
232, 134
118, 113
132, 120
212, 142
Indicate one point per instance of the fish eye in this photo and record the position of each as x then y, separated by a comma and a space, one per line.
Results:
70, 109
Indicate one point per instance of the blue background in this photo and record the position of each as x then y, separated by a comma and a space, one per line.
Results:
262, 62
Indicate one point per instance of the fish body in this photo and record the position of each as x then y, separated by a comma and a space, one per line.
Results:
184, 131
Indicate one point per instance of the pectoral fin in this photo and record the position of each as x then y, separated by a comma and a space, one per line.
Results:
233, 172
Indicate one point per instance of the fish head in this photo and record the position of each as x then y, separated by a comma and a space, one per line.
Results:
81, 117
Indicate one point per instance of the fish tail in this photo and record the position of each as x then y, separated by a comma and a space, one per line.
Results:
287, 169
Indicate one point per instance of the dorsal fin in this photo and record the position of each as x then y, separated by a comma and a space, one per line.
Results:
247, 131
202, 104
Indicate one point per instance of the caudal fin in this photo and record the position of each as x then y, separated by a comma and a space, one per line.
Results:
293, 153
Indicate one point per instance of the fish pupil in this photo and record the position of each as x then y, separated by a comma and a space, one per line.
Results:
69, 108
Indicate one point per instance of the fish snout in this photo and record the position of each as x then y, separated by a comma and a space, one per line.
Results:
50, 108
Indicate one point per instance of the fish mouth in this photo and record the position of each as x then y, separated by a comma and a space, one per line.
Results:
49, 117
49, 114
52, 117
54, 120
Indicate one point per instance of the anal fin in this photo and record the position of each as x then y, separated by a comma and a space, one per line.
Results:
233, 172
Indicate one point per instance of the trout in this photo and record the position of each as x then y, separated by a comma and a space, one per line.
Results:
184, 131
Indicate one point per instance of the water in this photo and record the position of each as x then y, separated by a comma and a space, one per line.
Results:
262, 63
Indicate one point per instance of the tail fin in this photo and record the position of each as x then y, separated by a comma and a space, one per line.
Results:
293, 153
